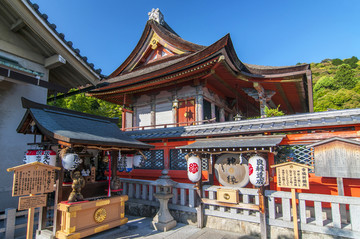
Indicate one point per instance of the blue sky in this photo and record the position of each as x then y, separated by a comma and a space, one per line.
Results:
267, 32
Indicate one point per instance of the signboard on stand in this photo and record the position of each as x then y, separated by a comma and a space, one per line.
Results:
295, 176
30, 179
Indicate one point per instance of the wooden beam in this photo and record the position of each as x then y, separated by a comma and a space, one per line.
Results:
283, 95
19, 24
54, 61
310, 91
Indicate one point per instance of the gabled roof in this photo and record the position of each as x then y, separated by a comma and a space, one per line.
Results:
155, 33
350, 141
218, 64
75, 128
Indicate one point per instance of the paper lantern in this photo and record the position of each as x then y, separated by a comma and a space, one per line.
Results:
129, 162
42, 156
257, 170
194, 169
71, 161
137, 160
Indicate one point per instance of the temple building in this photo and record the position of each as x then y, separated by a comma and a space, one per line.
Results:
186, 98
168, 80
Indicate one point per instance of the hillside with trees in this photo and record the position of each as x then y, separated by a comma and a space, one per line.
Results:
336, 84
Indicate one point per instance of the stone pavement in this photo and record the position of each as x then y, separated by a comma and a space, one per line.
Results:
139, 227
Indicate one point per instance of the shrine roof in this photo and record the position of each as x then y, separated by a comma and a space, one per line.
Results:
286, 123
234, 142
75, 127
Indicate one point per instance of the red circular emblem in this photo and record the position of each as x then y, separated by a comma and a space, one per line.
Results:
251, 169
193, 168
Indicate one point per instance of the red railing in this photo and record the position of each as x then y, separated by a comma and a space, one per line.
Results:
172, 124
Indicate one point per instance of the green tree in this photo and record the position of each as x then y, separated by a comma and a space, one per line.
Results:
352, 62
345, 77
337, 62
87, 104
273, 112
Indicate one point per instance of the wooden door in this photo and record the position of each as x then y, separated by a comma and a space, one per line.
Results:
186, 112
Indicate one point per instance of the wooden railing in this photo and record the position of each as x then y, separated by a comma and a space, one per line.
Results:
170, 125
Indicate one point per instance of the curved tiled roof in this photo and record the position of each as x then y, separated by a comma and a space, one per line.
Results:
62, 37
337, 118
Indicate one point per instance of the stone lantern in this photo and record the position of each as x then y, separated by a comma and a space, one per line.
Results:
163, 221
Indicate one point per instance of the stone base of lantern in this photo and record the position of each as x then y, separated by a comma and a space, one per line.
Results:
164, 227
163, 221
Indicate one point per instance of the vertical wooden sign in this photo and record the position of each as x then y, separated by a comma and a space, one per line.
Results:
295, 176
30, 179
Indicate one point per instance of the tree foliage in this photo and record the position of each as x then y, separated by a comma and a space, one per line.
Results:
336, 84
273, 112
90, 105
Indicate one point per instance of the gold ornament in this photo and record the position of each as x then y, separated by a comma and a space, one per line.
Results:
100, 215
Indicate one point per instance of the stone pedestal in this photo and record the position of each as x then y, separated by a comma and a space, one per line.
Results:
163, 221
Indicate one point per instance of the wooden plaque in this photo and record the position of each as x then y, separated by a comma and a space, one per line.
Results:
292, 175
33, 178
32, 202
228, 195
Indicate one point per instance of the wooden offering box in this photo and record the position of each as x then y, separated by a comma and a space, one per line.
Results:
85, 218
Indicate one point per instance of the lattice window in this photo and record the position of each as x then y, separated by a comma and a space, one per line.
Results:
177, 160
204, 164
155, 160
295, 153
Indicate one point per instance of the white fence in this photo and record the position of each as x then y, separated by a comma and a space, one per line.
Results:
333, 215
317, 212
12, 221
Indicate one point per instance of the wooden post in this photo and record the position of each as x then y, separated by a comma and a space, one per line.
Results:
58, 199
262, 209
341, 192
199, 208
30, 222
294, 212
211, 170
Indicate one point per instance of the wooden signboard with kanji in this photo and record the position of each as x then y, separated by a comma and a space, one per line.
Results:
32, 202
30, 179
292, 175
33, 178
295, 176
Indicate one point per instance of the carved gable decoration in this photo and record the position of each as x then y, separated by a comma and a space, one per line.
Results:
337, 157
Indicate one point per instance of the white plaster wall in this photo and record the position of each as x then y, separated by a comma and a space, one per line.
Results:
12, 144
164, 113
143, 115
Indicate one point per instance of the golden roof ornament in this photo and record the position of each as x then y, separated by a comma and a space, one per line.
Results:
157, 16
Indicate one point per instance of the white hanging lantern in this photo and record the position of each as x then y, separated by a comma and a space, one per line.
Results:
257, 170
42, 156
194, 169
71, 161
129, 162
48, 157
137, 160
